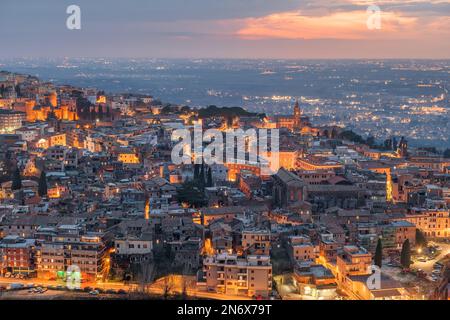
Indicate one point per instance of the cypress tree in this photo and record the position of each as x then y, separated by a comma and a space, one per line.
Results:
420, 239
196, 171
100, 112
379, 254
42, 188
202, 175
405, 257
210, 179
93, 114
16, 180
17, 89
276, 199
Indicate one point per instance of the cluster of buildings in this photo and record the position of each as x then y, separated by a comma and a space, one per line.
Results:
87, 180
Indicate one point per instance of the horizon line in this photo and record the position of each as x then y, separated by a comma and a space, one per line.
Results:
214, 58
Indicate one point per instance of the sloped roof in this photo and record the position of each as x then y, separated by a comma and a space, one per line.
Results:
289, 178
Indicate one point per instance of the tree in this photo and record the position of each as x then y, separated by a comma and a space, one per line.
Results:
276, 199
209, 182
370, 141
379, 254
82, 105
17, 89
387, 145
202, 175
447, 153
333, 133
421, 241
184, 289
405, 257
185, 109
42, 187
226, 112
100, 112
93, 114
190, 193
394, 143
196, 171
166, 285
351, 136
16, 180
145, 274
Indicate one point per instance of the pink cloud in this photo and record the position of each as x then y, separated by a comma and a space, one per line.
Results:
349, 25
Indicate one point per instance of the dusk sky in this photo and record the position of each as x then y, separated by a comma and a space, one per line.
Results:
226, 29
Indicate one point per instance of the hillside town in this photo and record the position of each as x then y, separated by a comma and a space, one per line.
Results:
88, 186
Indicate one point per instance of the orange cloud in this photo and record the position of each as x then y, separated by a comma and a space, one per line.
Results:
340, 25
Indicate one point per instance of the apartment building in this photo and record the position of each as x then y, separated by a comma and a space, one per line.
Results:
71, 246
433, 223
11, 120
256, 241
301, 249
404, 230
352, 261
234, 275
328, 248
131, 245
17, 255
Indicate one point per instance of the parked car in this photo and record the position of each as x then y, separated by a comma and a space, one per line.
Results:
392, 264
437, 272
16, 286
93, 292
